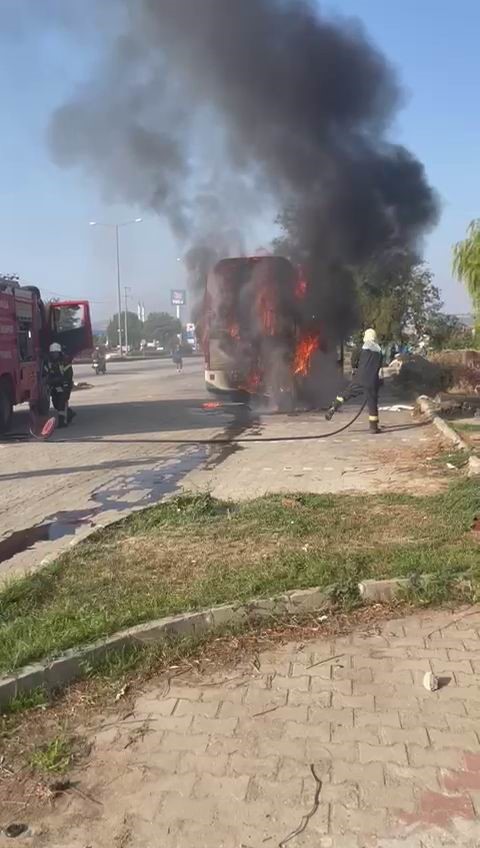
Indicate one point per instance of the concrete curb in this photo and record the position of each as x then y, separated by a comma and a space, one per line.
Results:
72, 665
427, 407
382, 591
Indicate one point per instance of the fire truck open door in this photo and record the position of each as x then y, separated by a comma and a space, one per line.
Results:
70, 325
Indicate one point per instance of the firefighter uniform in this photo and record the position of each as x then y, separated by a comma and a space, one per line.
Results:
367, 381
60, 382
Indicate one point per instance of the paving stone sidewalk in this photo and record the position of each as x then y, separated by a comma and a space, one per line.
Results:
398, 460
328, 744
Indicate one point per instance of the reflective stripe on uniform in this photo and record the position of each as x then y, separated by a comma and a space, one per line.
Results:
340, 399
373, 417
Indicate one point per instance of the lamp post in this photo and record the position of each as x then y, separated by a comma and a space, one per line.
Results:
126, 290
116, 227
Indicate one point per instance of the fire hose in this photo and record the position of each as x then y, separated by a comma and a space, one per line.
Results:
247, 439
212, 441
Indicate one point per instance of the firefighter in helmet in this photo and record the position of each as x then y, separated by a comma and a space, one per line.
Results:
60, 382
366, 380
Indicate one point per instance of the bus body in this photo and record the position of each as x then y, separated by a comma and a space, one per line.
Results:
257, 337
244, 316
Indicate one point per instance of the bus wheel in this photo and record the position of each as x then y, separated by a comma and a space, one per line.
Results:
6, 406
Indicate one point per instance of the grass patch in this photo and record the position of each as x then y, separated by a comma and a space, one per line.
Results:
467, 428
193, 552
25, 701
459, 458
54, 757
439, 588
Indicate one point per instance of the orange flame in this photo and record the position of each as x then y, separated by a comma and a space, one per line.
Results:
306, 347
266, 309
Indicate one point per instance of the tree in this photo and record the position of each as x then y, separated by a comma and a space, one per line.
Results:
395, 291
134, 327
162, 327
448, 332
397, 296
466, 266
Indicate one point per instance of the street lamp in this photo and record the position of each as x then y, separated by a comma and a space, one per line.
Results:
116, 227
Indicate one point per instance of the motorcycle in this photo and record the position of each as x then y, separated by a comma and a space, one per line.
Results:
99, 366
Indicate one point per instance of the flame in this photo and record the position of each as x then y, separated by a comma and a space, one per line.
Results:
266, 309
306, 347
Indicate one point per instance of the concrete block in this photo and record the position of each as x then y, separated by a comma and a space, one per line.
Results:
306, 599
27, 680
473, 466
381, 591
193, 623
264, 608
449, 433
63, 671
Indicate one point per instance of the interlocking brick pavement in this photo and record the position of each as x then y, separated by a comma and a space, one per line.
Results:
227, 761
397, 461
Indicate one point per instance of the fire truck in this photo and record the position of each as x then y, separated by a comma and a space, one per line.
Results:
27, 328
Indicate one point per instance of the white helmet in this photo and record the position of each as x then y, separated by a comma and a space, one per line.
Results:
370, 336
55, 348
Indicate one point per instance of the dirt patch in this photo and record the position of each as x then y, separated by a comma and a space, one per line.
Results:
416, 469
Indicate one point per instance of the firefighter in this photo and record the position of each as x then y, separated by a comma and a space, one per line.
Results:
60, 383
366, 381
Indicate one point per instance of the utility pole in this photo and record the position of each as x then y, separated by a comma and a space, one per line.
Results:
116, 227
119, 293
126, 290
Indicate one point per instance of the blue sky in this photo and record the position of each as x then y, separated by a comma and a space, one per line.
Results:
44, 214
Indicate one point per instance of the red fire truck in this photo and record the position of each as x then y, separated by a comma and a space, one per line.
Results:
27, 328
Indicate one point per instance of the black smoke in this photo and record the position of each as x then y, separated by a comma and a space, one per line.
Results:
258, 104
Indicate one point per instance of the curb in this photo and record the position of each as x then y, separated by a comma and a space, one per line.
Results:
427, 407
68, 667
382, 591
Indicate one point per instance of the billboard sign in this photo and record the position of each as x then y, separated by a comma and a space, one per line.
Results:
178, 297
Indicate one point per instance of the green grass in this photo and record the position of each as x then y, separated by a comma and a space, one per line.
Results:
25, 701
459, 458
467, 428
193, 552
54, 757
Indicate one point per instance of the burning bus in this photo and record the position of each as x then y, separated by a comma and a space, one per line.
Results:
258, 336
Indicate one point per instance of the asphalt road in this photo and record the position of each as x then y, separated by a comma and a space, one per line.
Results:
110, 459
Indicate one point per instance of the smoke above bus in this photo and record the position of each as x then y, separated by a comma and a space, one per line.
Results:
216, 114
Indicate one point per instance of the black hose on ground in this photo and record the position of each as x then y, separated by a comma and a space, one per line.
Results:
247, 439
222, 441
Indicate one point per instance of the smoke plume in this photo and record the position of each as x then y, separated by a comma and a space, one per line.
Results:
212, 112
